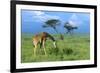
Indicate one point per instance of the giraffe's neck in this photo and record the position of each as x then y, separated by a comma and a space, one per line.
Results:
53, 39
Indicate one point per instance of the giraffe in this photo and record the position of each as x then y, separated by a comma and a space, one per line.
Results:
41, 39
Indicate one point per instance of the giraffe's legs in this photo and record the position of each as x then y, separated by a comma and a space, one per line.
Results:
35, 50
35, 47
44, 47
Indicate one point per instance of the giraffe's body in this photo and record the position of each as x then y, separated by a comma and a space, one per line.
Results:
41, 39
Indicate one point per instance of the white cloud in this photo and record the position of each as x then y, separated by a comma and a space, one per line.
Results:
74, 20
42, 16
37, 16
38, 12
73, 23
73, 17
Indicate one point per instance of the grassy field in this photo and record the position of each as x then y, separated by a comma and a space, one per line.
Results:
76, 47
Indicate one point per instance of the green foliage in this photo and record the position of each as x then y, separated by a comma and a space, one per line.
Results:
69, 27
76, 47
52, 23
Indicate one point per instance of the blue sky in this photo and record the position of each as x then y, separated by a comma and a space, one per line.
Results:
32, 21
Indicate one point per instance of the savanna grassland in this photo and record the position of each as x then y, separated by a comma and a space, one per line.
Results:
75, 47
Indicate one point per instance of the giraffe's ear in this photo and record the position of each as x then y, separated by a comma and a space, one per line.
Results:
54, 43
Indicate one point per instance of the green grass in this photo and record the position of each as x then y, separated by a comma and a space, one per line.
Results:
76, 47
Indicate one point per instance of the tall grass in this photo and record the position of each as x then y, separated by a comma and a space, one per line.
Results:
76, 47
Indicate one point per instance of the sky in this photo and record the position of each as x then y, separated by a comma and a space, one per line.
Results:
32, 21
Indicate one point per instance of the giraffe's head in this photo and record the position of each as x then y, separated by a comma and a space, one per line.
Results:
55, 45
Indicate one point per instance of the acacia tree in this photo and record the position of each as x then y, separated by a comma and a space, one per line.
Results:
69, 27
53, 23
